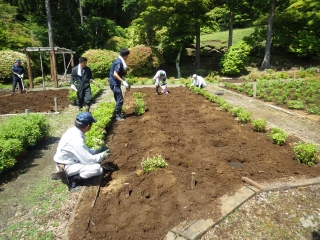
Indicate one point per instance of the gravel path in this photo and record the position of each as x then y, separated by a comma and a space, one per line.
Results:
297, 125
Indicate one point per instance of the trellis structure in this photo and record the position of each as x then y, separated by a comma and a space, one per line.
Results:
52, 51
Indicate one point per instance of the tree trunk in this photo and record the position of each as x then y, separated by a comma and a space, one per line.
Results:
50, 30
81, 13
231, 26
178, 64
266, 60
148, 40
198, 46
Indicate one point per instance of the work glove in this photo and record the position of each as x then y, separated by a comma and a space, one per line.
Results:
125, 84
106, 154
105, 149
74, 87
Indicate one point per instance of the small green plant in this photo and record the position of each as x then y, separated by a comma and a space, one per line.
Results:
226, 107
306, 153
236, 111
244, 117
259, 125
152, 163
295, 104
139, 104
278, 136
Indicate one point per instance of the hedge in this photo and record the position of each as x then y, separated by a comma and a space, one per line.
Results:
19, 133
100, 61
96, 136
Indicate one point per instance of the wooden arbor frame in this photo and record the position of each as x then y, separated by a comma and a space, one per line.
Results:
53, 51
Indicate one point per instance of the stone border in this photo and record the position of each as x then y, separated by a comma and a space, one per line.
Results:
193, 230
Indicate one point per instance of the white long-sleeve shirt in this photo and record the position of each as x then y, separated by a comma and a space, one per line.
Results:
73, 149
199, 82
157, 78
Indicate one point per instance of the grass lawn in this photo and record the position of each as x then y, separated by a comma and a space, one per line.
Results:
220, 39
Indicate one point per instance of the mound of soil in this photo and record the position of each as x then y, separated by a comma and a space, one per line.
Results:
35, 101
192, 135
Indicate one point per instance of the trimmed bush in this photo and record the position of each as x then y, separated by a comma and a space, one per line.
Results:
235, 59
100, 61
9, 150
306, 153
7, 59
143, 60
116, 43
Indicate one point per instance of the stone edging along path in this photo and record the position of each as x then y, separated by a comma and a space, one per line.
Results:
193, 230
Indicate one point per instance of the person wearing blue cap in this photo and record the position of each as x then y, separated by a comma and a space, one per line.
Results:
79, 161
18, 71
116, 77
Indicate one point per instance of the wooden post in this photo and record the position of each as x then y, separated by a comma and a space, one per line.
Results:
126, 189
56, 104
193, 180
254, 89
54, 67
64, 62
29, 69
253, 183
44, 87
72, 60
26, 111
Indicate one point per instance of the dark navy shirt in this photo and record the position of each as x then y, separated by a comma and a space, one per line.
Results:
81, 80
117, 66
17, 69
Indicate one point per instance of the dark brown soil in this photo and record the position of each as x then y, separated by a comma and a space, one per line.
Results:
36, 101
192, 135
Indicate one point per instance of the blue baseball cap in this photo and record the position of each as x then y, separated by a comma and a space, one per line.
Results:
86, 118
18, 61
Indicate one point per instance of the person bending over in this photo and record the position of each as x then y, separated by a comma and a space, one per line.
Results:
161, 76
79, 161
198, 81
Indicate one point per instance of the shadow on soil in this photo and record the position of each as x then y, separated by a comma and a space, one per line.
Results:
316, 235
26, 163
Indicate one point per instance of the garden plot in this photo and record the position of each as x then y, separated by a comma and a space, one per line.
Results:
293, 94
192, 135
35, 101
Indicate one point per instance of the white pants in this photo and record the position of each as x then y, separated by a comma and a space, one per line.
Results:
85, 171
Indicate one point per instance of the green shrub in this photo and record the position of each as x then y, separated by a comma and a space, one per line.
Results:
226, 107
139, 104
313, 109
100, 61
278, 136
295, 104
143, 60
116, 43
244, 117
236, 111
259, 125
9, 150
7, 59
151, 164
235, 59
306, 153
95, 138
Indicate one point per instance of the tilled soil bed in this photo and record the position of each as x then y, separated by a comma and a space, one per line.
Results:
35, 101
192, 135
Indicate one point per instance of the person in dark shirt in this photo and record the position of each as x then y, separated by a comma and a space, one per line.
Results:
116, 77
18, 71
81, 77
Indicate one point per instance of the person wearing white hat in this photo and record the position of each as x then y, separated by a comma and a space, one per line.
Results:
198, 81
161, 76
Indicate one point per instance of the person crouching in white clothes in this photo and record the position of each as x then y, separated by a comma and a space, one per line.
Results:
198, 81
79, 161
